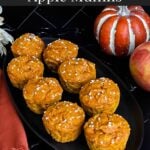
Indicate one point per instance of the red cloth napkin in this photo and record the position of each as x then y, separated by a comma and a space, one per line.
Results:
12, 134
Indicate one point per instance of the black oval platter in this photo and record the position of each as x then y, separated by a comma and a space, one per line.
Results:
128, 106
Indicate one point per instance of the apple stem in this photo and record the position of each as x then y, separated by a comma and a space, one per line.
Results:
123, 11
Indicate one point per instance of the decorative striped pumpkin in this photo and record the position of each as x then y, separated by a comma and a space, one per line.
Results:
119, 29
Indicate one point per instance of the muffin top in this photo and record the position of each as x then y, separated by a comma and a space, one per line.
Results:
23, 68
28, 44
100, 93
64, 115
105, 130
42, 91
59, 51
77, 70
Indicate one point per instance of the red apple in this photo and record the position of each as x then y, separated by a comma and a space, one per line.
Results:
140, 65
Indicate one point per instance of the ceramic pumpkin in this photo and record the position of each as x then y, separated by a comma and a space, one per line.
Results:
119, 29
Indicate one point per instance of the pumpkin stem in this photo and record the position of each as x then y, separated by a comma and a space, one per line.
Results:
123, 11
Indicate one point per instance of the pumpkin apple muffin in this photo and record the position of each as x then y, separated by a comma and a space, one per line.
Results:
63, 121
28, 44
100, 95
107, 132
23, 68
75, 72
39, 93
59, 51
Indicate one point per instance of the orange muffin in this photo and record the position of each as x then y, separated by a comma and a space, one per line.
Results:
100, 95
28, 44
59, 51
39, 93
63, 121
74, 73
23, 68
107, 132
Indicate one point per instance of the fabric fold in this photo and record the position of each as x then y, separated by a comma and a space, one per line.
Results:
12, 133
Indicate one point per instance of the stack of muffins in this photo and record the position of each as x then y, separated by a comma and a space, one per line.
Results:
64, 120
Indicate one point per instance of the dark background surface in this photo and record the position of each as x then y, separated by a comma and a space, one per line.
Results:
56, 21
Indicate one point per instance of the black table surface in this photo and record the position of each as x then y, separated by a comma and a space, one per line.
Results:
57, 21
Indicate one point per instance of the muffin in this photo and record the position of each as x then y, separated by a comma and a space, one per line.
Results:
100, 95
23, 68
74, 73
28, 44
39, 93
107, 132
63, 121
59, 51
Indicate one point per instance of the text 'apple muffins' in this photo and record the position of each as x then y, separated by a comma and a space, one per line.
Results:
63, 121
42, 92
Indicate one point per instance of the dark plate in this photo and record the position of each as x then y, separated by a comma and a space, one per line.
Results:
128, 107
